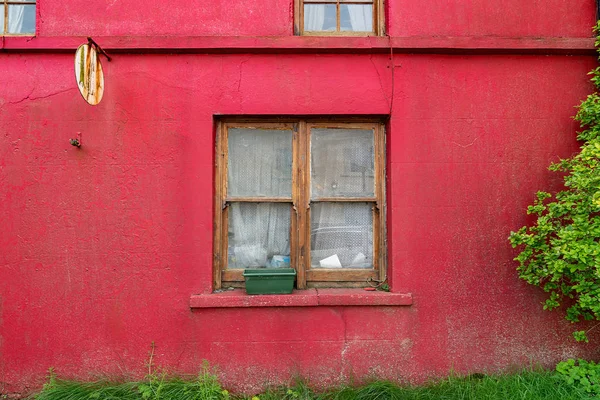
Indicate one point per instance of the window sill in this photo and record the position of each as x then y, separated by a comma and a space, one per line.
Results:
301, 298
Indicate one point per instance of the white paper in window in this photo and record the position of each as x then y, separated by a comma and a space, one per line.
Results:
341, 235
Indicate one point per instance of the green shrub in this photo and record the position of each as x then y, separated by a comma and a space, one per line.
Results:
581, 374
560, 252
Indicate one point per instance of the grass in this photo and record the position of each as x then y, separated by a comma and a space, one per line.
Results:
527, 385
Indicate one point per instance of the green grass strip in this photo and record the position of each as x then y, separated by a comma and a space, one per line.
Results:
527, 385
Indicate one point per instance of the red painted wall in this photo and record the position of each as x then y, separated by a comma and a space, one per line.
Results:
101, 247
531, 18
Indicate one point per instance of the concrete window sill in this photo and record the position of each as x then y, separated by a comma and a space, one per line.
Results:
300, 298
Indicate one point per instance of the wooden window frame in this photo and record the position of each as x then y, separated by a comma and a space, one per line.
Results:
5, 4
378, 19
300, 203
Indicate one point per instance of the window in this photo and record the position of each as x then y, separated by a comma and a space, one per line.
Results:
18, 17
339, 17
302, 194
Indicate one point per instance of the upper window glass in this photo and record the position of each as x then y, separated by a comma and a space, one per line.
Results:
339, 17
18, 18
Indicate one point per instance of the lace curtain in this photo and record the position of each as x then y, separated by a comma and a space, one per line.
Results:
15, 18
259, 165
342, 166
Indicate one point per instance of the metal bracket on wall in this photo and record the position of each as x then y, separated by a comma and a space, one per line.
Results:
91, 43
77, 141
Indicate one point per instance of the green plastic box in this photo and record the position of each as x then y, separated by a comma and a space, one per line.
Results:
269, 280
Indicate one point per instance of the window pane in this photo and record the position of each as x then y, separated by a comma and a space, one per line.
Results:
259, 235
21, 19
341, 235
356, 17
260, 163
320, 17
2, 30
342, 163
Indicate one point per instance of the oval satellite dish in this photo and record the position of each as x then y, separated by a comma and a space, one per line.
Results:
89, 75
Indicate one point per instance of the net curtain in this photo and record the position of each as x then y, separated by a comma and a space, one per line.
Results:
16, 16
360, 18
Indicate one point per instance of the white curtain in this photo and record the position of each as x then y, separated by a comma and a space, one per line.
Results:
361, 18
259, 165
15, 18
257, 233
342, 162
314, 17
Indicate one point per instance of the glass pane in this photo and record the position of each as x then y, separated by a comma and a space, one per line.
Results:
319, 17
356, 17
259, 235
21, 19
341, 235
2, 30
342, 163
259, 163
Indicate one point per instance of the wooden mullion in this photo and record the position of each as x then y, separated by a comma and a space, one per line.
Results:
247, 124
380, 17
306, 129
5, 30
341, 274
303, 182
233, 275
294, 209
218, 210
298, 17
381, 193
376, 208
342, 121
379, 255
341, 34
345, 200
259, 199
338, 16
224, 208
342, 125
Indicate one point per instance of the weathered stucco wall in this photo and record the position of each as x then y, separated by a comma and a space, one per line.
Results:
101, 247
532, 18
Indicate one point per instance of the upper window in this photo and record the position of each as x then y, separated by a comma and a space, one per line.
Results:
339, 17
18, 17
302, 194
